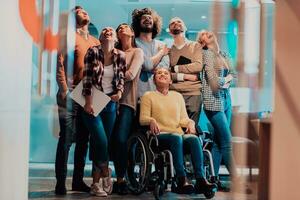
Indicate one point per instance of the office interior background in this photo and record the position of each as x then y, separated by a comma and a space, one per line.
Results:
260, 35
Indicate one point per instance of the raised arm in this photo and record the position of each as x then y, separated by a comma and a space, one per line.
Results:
165, 60
160, 59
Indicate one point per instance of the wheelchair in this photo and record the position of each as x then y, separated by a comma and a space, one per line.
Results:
150, 169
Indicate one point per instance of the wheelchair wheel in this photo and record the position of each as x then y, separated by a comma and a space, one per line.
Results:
139, 163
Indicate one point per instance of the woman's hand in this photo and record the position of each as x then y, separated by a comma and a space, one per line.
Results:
190, 77
190, 129
226, 85
228, 78
89, 108
116, 97
154, 127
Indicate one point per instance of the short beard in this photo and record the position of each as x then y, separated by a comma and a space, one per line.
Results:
82, 23
176, 31
146, 29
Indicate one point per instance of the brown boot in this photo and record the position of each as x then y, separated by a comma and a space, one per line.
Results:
184, 187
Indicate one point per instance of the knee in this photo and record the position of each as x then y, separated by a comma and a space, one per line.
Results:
226, 147
225, 143
177, 140
193, 140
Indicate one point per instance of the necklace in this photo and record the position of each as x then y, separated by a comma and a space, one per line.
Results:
83, 33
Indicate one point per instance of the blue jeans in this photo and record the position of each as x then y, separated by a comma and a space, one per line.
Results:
119, 139
222, 147
174, 143
71, 130
100, 129
192, 145
180, 145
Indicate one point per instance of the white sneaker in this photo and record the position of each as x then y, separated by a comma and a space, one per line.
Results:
107, 183
97, 190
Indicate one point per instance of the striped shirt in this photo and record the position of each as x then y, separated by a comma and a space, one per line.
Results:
94, 70
213, 79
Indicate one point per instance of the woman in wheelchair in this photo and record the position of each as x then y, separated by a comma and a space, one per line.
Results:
164, 111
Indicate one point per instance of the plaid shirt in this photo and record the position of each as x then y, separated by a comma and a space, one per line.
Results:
213, 79
94, 70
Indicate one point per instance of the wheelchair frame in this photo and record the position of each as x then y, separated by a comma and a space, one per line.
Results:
160, 177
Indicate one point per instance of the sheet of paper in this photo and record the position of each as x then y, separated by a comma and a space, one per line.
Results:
100, 100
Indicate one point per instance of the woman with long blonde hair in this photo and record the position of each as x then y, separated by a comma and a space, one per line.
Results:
217, 77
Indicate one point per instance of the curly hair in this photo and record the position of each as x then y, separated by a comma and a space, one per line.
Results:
136, 19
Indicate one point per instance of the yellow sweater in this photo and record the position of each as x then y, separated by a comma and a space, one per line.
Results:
168, 110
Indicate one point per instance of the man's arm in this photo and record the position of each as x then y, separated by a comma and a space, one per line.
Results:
160, 59
61, 78
195, 66
164, 62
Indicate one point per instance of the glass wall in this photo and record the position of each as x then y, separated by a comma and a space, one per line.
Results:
244, 29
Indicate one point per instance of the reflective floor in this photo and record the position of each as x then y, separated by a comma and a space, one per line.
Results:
42, 183
43, 188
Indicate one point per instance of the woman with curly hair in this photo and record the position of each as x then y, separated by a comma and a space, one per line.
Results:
147, 24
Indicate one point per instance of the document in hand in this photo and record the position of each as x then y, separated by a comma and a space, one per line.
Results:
100, 100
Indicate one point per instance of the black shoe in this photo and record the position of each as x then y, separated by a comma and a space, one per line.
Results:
80, 186
184, 187
122, 188
60, 189
202, 186
222, 187
115, 187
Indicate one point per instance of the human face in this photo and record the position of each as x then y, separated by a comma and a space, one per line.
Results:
176, 27
124, 30
108, 34
146, 23
162, 77
207, 38
82, 17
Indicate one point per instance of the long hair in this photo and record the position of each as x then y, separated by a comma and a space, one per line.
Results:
119, 43
202, 43
136, 19
199, 39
